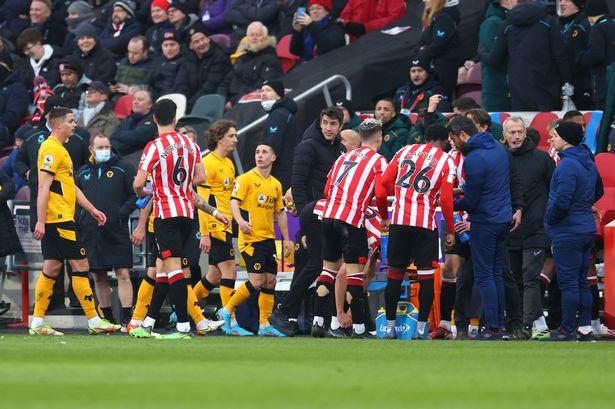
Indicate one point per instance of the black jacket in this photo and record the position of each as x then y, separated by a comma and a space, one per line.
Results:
108, 186
538, 64
575, 32
283, 134
26, 160
154, 35
53, 30
536, 168
326, 39
600, 53
413, 98
313, 160
14, 101
198, 77
118, 45
50, 70
243, 12
133, 133
9, 241
163, 77
98, 64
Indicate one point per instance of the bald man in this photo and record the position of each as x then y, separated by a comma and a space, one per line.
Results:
350, 139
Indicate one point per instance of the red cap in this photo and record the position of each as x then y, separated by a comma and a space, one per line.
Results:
162, 4
325, 3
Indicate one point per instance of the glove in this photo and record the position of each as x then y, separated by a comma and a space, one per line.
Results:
356, 29
567, 90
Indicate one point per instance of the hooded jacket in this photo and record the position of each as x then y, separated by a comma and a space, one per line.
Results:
49, 68
108, 186
494, 91
14, 101
133, 133
486, 193
312, 161
531, 43
282, 133
575, 186
600, 53
395, 135
536, 170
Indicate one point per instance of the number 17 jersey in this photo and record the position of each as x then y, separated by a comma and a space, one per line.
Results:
419, 172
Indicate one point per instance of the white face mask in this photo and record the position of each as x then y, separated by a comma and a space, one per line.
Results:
268, 104
102, 155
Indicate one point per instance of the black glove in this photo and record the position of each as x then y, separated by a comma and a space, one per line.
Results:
356, 29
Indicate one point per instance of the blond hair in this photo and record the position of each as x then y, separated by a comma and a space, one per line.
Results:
429, 13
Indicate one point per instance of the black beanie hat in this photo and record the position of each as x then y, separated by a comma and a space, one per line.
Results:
275, 85
596, 8
420, 60
579, 3
570, 132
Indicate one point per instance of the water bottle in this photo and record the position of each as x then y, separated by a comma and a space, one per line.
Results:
465, 236
384, 244
143, 201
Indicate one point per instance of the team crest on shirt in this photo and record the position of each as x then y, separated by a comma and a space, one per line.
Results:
41, 139
575, 33
110, 174
257, 266
231, 252
226, 182
198, 235
82, 251
387, 137
48, 159
220, 170
261, 198
185, 261
236, 188
296, 246
87, 176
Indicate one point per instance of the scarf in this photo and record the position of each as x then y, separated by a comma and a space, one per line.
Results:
90, 113
118, 29
309, 42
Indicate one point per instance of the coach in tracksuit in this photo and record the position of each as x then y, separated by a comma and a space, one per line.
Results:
575, 187
486, 198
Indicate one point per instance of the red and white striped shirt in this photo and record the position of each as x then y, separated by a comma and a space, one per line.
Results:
319, 208
373, 227
350, 185
553, 154
420, 171
460, 177
171, 159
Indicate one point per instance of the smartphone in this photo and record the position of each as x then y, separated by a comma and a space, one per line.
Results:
300, 11
112, 82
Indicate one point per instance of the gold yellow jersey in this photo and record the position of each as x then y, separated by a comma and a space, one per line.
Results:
53, 158
217, 192
259, 199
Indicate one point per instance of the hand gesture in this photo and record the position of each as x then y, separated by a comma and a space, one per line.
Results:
462, 227
39, 230
288, 248
244, 226
99, 217
223, 219
138, 236
385, 225
434, 101
516, 221
205, 244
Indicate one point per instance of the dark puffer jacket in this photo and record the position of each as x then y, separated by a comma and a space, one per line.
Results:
98, 64
133, 133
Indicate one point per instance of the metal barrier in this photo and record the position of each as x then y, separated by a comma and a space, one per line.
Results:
324, 86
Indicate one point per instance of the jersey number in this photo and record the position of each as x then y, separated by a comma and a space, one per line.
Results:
421, 182
349, 165
179, 173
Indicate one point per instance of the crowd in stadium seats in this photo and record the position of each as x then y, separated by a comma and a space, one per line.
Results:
109, 61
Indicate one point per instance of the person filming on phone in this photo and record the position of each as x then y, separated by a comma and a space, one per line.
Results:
315, 32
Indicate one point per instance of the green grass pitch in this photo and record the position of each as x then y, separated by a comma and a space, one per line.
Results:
217, 372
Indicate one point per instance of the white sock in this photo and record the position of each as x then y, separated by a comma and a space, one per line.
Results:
94, 321
202, 324
36, 321
183, 327
136, 322
540, 324
445, 324
585, 329
420, 326
391, 323
596, 324
149, 322
358, 328
320, 321
472, 328
335, 323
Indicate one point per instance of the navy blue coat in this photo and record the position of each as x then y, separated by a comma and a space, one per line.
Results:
575, 187
486, 193
133, 133
14, 101
118, 45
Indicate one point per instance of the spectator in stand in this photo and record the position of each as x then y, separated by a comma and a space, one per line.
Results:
97, 62
163, 77
395, 128
600, 51
204, 66
213, 16
9, 241
14, 15
181, 15
135, 68
98, 116
440, 41
538, 64
483, 122
462, 105
8, 168
106, 182
259, 63
78, 12
242, 13
363, 16
14, 100
51, 26
351, 119
575, 29
72, 89
415, 95
123, 26
42, 58
103, 10
138, 128
494, 91
316, 33
281, 129
160, 18
288, 9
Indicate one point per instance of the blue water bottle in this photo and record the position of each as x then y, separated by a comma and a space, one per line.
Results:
384, 244
143, 201
465, 236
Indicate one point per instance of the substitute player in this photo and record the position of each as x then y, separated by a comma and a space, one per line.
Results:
348, 191
255, 201
57, 196
416, 175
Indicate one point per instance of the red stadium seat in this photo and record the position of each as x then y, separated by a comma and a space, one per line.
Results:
288, 59
605, 162
540, 123
123, 106
223, 40
23, 194
470, 85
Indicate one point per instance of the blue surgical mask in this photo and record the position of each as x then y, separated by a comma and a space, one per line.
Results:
102, 155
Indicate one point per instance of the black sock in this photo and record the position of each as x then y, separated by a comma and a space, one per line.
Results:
392, 292
447, 300
596, 301
425, 298
322, 304
108, 314
367, 312
356, 304
161, 289
178, 291
125, 314
209, 286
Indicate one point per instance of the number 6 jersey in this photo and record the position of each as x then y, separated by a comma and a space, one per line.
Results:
171, 159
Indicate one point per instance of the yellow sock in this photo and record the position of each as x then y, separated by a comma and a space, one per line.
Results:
42, 294
194, 309
227, 287
265, 305
144, 298
83, 291
200, 291
240, 296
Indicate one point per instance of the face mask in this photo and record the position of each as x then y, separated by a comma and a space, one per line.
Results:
268, 104
102, 156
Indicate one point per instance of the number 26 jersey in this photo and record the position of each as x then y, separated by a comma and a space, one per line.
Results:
419, 171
